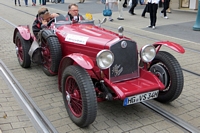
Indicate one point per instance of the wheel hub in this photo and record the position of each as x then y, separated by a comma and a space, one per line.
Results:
160, 72
68, 98
16, 48
76, 94
19, 51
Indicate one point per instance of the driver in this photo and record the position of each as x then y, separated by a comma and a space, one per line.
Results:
73, 14
41, 20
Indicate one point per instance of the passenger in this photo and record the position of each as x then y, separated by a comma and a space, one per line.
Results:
41, 20
73, 14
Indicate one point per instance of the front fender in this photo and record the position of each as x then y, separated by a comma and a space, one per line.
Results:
24, 31
80, 59
174, 46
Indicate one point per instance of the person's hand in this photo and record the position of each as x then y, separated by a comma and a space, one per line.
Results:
53, 15
44, 22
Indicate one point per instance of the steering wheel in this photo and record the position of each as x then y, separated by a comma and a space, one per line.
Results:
49, 23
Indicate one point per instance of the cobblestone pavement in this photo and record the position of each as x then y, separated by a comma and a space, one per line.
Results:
112, 117
13, 118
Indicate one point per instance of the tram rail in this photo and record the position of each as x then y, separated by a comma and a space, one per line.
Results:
39, 120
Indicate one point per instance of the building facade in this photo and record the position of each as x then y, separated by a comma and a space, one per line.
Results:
186, 4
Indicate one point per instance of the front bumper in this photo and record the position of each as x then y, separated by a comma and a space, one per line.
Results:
145, 83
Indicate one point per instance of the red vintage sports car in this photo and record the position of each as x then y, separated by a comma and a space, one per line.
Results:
94, 64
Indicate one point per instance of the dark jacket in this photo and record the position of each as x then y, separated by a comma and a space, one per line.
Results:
69, 17
37, 26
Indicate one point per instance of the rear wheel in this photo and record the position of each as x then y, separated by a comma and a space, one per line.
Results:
79, 96
51, 53
22, 48
168, 70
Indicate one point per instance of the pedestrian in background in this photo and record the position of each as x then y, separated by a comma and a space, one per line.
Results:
103, 1
26, 2
165, 7
33, 2
141, 2
81, 1
18, 2
62, 1
120, 9
153, 7
146, 9
133, 5
43, 2
40, 2
110, 4
169, 9
125, 4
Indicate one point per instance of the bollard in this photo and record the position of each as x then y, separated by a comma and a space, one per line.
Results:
197, 24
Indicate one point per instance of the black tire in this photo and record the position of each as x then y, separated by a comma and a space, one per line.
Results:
78, 89
22, 48
51, 53
168, 70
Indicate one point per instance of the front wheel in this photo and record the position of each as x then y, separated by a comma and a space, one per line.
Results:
168, 70
79, 95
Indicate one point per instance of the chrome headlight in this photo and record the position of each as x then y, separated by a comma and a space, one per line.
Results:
105, 59
148, 53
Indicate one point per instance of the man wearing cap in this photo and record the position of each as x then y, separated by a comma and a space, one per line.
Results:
41, 20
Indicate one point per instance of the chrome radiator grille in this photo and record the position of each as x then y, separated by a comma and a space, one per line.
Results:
125, 65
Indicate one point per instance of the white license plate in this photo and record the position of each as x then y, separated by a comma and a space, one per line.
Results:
140, 97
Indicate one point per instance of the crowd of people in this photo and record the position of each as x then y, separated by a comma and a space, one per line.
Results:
41, 2
151, 7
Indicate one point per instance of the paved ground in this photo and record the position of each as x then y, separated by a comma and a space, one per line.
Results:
112, 116
13, 118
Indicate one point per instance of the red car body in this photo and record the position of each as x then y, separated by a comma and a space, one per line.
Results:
80, 44
103, 39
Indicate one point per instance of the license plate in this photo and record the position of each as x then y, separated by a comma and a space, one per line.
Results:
140, 97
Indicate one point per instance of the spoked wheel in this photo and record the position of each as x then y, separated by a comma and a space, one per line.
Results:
79, 96
22, 48
168, 70
51, 53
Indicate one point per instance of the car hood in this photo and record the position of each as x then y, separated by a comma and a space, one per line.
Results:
86, 34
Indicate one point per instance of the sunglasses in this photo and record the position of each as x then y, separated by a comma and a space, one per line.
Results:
74, 10
44, 12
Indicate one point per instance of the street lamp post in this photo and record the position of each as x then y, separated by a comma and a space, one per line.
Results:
197, 24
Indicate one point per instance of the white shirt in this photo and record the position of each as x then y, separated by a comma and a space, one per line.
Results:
153, 1
107, 1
